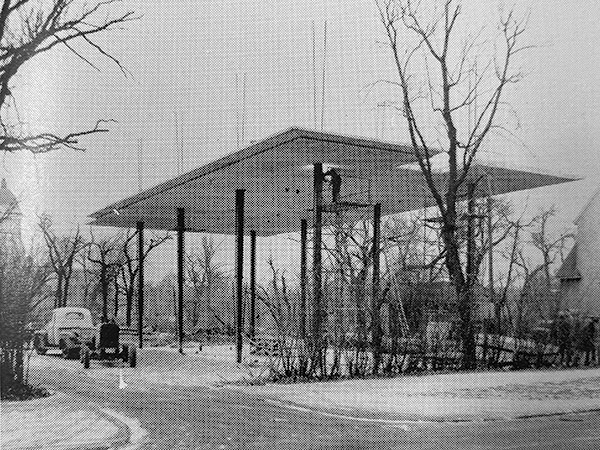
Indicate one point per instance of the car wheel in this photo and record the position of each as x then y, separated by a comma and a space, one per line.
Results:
85, 358
39, 346
132, 357
125, 353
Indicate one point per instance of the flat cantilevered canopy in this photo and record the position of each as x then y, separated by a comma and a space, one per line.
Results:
277, 174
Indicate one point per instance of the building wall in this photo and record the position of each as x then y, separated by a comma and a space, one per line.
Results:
584, 294
10, 229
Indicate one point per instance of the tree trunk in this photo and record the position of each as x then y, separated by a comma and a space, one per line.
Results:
453, 265
58, 293
65, 292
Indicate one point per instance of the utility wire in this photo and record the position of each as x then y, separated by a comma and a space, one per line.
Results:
324, 67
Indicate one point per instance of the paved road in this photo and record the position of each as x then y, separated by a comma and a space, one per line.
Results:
198, 418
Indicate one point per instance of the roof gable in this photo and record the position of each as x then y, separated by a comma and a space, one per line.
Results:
568, 270
588, 205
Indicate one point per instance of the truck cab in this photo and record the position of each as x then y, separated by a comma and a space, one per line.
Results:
67, 329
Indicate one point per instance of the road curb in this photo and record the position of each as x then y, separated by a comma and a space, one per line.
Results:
122, 437
136, 435
413, 418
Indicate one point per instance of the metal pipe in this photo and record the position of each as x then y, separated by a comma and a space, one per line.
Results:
497, 309
239, 265
140, 233
317, 315
375, 300
470, 237
303, 241
180, 273
252, 284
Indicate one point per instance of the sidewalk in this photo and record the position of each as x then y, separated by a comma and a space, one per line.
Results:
59, 421
473, 396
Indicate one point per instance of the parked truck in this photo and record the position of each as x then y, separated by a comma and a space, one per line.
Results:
72, 331
68, 330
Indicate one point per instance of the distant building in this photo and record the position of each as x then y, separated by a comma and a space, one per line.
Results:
10, 221
579, 274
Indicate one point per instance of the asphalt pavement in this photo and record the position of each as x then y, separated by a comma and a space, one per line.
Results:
221, 418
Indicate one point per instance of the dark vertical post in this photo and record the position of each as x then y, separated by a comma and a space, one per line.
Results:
140, 233
239, 265
469, 344
303, 240
180, 270
252, 284
497, 310
317, 315
470, 235
104, 282
375, 322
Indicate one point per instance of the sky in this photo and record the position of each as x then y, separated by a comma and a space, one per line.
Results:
184, 57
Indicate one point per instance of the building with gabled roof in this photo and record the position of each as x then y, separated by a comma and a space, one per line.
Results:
579, 274
10, 221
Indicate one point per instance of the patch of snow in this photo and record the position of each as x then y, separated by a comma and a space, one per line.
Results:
137, 434
493, 394
47, 427
484, 395
214, 365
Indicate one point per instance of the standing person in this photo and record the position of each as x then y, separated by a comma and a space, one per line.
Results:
335, 180
564, 338
590, 342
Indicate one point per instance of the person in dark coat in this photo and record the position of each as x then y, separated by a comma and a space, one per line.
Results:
564, 338
590, 342
336, 184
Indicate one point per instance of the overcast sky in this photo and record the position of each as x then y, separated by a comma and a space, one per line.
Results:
184, 58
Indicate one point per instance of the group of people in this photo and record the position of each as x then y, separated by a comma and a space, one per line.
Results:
575, 338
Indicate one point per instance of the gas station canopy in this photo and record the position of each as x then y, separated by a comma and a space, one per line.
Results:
277, 175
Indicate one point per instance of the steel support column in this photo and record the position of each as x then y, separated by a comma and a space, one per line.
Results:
470, 239
140, 251
252, 284
317, 315
468, 337
239, 266
303, 240
375, 300
180, 273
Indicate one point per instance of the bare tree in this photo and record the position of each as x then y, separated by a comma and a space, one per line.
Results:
107, 256
458, 83
22, 282
526, 287
551, 248
205, 274
536, 292
62, 253
130, 268
29, 28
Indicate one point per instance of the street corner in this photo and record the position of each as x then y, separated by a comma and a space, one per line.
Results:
460, 397
61, 421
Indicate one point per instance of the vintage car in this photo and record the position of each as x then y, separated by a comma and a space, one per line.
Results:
108, 347
67, 329
72, 331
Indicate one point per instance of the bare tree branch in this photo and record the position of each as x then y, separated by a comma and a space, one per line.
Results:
29, 28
